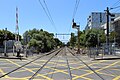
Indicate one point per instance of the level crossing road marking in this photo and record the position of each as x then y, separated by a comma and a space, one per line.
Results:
106, 74
102, 73
57, 70
53, 68
4, 73
117, 78
29, 70
64, 71
97, 70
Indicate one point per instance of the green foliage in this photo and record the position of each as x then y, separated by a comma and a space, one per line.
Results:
72, 40
58, 42
92, 35
6, 35
113, 35
88, 38
41, 40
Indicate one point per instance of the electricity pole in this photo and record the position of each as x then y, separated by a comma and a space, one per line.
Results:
107, 28
107, 35
78, 39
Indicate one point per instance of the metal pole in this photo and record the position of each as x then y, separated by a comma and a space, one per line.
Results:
107, 36
5, 47
13, 51
78, 39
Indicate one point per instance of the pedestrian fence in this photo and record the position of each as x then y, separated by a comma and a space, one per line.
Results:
11, 51
102, 52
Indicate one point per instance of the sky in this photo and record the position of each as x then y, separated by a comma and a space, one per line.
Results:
31, 15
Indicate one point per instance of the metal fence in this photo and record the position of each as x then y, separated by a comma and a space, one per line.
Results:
102, 52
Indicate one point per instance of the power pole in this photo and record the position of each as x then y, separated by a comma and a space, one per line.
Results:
107, 26
78, 39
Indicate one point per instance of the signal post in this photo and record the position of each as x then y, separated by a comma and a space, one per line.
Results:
75, 26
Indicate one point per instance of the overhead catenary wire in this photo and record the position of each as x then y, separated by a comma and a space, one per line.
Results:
115, 7
74, 12
116, 3
47, 12
75, 8
50, 14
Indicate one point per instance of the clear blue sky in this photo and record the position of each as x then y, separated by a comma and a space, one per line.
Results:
32, 15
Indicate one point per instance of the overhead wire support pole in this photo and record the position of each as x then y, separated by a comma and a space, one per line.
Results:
107, 26
78, 28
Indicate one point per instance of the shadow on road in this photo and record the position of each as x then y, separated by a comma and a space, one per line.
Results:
108, 59
13, 58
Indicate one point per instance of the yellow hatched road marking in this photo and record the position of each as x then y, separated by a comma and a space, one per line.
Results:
117, 78
29, 70
108, 66
53, 68
106, 74
97, 70
82, 75
3, 73
62, 71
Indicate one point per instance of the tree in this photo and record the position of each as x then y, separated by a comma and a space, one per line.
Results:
113, 35
73, 40
92, 37
41, 40
58, 43
6, 35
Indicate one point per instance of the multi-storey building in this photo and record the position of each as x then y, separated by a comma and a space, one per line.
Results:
116, 25
96, 19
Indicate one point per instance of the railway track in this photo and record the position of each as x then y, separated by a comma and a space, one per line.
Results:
69, 71
86, 65
55, 65
30, 62
44, 65
63, 53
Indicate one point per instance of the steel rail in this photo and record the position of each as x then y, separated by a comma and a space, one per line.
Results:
44, 65
69, 71
27, 63
86, 65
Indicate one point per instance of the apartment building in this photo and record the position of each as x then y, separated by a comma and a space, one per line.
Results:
96, 19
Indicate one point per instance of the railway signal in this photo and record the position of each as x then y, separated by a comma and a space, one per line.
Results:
75, 26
